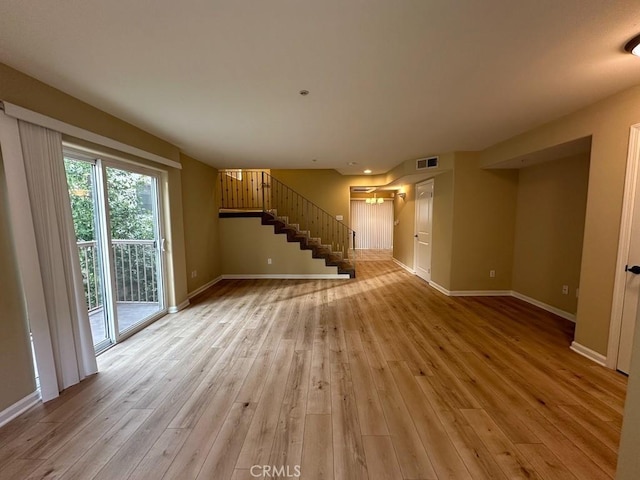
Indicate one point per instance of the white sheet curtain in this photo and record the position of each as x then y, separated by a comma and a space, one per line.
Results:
38, 158
373, 224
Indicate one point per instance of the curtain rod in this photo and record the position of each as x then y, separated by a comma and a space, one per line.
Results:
30, 116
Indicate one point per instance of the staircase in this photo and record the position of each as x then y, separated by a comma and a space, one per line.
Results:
256, 193
303, 237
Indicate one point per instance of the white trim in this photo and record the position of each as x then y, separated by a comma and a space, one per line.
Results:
480, 293
624, 242
204, 287
182, 306
439, 288
19, 407
470, 293
408, 269
285, 276
561, 313
588, 353
81, 152
51, 123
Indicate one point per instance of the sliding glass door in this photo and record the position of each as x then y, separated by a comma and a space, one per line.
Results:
135, 240
117, 218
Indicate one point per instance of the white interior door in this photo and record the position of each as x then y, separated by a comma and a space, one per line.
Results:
631, 293
423, 235
631, 278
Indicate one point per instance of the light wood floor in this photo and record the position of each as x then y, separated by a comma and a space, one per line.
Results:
380, 377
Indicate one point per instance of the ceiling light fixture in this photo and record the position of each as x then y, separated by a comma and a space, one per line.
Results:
633, 46
367, 171
374, 201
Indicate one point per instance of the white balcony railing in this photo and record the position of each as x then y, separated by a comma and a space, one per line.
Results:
135, 268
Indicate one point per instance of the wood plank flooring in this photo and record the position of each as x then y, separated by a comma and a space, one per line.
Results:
380, 377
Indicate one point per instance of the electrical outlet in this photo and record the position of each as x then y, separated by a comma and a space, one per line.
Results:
492, 273
269, 261
565, 289
194, 274
339, 218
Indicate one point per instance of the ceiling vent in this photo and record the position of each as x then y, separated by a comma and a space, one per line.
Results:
424, 163
362, 189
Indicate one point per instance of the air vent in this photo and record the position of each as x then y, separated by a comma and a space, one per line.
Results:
362, 189
424, 163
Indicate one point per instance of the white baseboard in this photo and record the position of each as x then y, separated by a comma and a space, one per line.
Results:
19, 407
470, 293
182, 306
480, 293
204, 287
408, 269
504, 293
285, 276
588, 353
440, 288
561, 313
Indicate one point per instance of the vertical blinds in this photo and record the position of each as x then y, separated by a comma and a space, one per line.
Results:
373, 224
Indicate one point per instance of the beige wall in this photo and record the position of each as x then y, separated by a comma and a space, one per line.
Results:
483, 225
201, 226
404, 214
18, 88
608, 121
16, 373
326, 188
441, 253
552, 199
27, 92
246, 244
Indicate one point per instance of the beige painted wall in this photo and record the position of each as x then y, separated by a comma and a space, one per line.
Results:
18, 88
246, 244
326, 188
608, 121
552, 199
27, 92
16, 372
483, 225
404, 214
201, 225
441, 253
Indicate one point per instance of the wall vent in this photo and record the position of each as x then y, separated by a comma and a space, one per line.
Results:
424, 163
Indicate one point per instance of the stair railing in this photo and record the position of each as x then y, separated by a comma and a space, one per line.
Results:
251, 190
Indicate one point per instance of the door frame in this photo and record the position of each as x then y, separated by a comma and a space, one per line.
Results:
415, 227
100, 163
631, 189
105, 162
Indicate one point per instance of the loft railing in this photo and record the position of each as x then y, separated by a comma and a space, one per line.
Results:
135, 263
259, 191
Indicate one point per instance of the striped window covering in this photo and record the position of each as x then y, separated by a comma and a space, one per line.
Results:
373, 224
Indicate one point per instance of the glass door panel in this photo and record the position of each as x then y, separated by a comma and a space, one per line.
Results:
81, 179
135, 240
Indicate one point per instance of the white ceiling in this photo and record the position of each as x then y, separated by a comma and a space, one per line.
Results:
389, 80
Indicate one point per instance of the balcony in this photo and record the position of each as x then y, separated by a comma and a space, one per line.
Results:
134, 276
